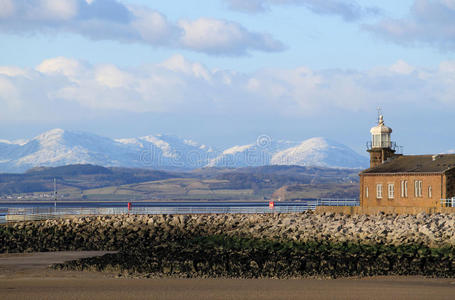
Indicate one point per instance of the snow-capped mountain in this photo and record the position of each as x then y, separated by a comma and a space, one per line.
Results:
320, 152
256, 154
169, 151
59, 147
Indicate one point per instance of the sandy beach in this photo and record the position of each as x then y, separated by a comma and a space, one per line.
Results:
27, 276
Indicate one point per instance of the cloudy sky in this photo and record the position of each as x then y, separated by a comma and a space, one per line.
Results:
223, 72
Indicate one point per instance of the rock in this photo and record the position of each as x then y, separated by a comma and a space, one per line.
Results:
143, 233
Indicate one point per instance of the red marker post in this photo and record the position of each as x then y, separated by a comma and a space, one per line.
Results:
129, 206
271, 204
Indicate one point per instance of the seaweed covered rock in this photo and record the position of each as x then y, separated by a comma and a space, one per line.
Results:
270, 245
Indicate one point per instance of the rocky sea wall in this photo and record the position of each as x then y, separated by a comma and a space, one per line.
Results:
269, 245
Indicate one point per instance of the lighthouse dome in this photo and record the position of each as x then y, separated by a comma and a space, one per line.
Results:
380, 128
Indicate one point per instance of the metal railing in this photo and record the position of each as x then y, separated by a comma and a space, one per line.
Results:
23, 214
448, 202
43, 213
337, 202
382, 144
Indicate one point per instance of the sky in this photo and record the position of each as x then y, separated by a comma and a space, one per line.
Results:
223, 72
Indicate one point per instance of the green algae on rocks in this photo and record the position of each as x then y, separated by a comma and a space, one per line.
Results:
247, 246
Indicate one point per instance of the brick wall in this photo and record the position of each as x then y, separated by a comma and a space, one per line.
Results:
375, 158
450, 179
378, 156
357, 210
370, 181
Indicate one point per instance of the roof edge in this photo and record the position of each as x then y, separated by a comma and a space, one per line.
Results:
403, 173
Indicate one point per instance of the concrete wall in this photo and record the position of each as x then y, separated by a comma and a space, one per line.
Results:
436, 181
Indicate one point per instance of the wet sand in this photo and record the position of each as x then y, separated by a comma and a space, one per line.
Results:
13, 265
27, 276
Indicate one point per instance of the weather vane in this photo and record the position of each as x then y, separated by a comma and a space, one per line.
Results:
379, 112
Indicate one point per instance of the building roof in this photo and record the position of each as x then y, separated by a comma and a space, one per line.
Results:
415, 164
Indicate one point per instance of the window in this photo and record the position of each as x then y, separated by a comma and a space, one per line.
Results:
429, 192
418, 188
391, 190
404, 188
381, 140
366, 192
379, 191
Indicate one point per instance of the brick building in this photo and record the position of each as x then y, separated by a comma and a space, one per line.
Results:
395, 180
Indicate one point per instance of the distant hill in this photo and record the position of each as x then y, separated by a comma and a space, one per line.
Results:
320, 152
327, 190
250, 155
70, 170
268, 178
114, 183
84, 176
59, 147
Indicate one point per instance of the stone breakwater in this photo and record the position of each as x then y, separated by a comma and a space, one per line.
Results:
281, 245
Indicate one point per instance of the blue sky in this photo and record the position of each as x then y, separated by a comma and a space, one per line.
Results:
225, 71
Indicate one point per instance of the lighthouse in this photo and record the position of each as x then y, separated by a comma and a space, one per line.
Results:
381, 146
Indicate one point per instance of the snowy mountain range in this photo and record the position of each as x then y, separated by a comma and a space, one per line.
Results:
62, 147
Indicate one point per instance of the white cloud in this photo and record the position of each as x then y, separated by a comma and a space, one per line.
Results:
66, 88
12, 71
449, 3
9, 96
61, 65
219, 36
430, 22
402, 67
6, 8
55, 9
114, 20
447, 67
179, 64
112, 77
152, 26
348, 10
